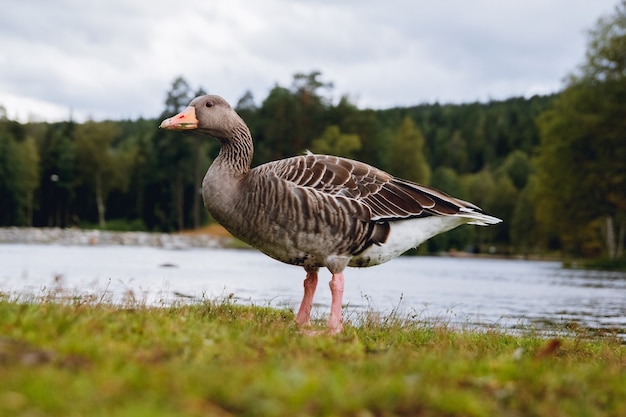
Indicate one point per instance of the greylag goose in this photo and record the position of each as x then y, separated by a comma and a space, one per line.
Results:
315, 210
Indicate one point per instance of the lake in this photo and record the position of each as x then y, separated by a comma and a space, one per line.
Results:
459, 291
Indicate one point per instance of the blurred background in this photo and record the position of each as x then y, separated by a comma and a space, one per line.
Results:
519, 107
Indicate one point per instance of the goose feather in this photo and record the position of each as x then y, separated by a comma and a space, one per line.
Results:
316, 210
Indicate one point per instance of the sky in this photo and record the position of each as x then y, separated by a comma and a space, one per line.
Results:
116, 59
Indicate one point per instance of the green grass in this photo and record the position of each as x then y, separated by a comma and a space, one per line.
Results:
78, 357
618, 264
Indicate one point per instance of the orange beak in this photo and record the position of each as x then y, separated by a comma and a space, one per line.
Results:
184, 120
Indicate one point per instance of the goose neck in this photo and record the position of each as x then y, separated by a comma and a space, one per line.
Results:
236, 152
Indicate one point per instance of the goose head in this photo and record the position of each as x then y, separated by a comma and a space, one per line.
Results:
208, 114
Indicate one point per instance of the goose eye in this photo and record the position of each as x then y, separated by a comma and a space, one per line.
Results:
209, 104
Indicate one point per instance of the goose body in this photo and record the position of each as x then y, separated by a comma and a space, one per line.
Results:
316, 210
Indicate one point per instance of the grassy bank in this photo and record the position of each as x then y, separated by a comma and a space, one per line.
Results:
87, 358
603, 264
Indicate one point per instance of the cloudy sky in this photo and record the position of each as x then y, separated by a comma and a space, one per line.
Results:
117, 58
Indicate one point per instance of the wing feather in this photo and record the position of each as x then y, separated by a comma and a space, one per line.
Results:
372, 192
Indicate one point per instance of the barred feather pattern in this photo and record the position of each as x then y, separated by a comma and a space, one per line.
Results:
308, 209
315, 210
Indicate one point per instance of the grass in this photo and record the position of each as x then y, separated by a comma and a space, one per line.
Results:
88, 357
597, 264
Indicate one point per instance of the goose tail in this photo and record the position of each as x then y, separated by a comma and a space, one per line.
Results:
478, 218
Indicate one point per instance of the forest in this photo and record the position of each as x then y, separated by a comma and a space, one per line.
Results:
552, 167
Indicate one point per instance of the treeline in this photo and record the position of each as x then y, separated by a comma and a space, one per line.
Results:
130, 174
553, 167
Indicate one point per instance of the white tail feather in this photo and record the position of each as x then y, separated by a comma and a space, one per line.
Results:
479, 219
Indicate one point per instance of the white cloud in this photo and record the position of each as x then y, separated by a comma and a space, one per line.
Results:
117, 59
18, 109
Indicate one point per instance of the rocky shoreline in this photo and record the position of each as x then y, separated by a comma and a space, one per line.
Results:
80, 237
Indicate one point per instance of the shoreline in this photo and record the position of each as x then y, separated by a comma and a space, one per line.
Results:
208, 237
92, 237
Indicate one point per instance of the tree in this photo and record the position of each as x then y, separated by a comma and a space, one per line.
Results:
19, 173
175, 162
334, 142
136, 141
518, 167
478, 188
446, 179
522, 224
28, 175
501, 203
582, 157
364, 123
457, 155
290, 119
248, 110
310, 108
58, 176
406, 153
306, 86
277, 126
101, 166
9, 172
605, 59
178, 96
460, 238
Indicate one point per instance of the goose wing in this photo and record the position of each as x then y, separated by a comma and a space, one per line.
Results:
380, 195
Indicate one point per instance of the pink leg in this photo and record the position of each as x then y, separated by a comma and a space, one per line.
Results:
303, 318
335, 322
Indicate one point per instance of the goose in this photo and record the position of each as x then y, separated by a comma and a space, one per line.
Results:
315, 211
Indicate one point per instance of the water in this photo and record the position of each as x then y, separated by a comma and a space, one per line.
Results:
464, 291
